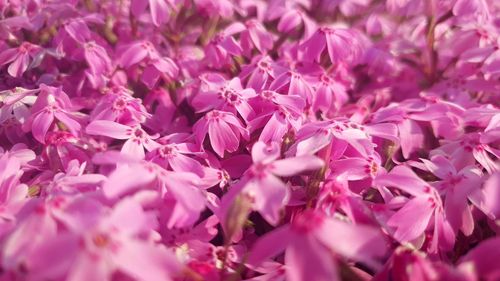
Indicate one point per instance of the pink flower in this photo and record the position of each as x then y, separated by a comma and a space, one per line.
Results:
19, 58
12, 193
261, 72
16, 104
159, 9
221, 49
118, 105
313, 241
255, 34
486, 198
224, 131
261, 183
110, 244
99, 62
156, 65
458, 187
137, 138
336, 41
177, 156
340, 134
415, 216
329, 94
182, 187
217, 93
52, 103
212, 8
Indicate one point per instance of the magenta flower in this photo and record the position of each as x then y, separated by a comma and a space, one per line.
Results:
16, 104
335, 41
137, 138
329, 94
118, 105
177, 156
19, 58
458, 187
261, 183
261, 72
13, 193
99, 62
160, 9
224, 131
264, 140
182, 187
217, 93
220, 50
156, 66
51, 103
426, 205
312, 243
254, 34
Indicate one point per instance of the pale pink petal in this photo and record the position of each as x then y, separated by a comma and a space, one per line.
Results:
136, 177
134, 54
133, 148
411, 135
296, 165
314, 143
265, 153
19, 65
88, 267
41, 124
147, 262
275, 129
440, 167
73, 126
109, 129
159, 11
412, 220
222, 138
271, 195
358, 242
403, 178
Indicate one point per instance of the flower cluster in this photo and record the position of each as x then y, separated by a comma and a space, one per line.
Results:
264, 140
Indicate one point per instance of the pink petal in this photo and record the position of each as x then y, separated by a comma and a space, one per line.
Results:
88, 267
136, 177
134, 54
19, 65
73, 126
271, 195
222, 138
358, 242
290, 20
296, 165
265, 153
269, 245
275, 129
403, 178
307, 259
411, 220
41, 124
159, 11
109, 129
133, 148
411, 135
155, 263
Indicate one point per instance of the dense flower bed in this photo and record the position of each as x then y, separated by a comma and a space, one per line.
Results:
220, 140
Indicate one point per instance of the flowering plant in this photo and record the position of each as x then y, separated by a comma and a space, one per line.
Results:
265, 140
